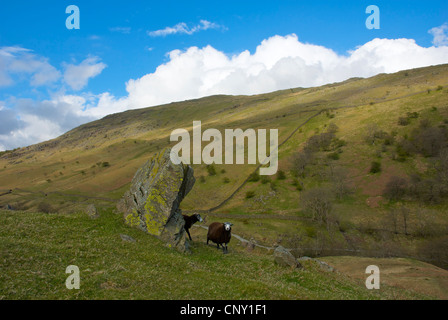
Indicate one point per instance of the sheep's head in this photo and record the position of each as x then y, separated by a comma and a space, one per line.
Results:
228, 226
198, 217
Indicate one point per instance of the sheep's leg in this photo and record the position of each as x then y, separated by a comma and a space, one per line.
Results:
224, 249
188, 232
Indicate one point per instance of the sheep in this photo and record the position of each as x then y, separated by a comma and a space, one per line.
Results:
220, 233
191, 220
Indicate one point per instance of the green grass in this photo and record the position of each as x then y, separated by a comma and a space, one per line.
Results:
274, 213
36, 249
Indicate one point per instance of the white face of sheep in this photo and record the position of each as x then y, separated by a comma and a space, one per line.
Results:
199, 218
227, 226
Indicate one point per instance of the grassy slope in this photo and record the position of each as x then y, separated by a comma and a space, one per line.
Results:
67, 172
36, 249
69, 163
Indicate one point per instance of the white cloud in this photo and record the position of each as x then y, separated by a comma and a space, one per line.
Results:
124, 30
29, 122
77, 76
279, 62
17, 61
440, 35
183, 28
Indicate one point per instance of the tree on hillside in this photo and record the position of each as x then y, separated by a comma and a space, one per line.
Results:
318, 202
395, 188
442, 167
338, 178
300, 161
430, 141
372, 133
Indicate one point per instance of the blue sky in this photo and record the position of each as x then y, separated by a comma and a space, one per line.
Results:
61, 78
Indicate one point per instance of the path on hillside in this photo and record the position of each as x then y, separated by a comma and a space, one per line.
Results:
64, 194
287, 139
222, 203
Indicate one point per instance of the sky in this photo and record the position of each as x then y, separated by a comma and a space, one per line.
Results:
133, 54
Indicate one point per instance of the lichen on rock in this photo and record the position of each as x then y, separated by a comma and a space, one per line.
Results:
153, 200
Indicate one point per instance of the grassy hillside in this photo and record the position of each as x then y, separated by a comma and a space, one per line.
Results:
373, 151
37, 248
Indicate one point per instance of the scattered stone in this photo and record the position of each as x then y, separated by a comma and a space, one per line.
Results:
127, 238
251, 245
323, 265
305, 258
284, 258
153, 200
92, 211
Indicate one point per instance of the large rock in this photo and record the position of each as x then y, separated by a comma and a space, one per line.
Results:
285, 258
152, 203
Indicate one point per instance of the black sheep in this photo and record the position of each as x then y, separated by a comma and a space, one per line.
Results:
220, 233
191, 220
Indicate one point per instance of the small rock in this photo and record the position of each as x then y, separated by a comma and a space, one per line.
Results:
250, 246
305, 258
92, 211
323, 265
127, 238
284, 258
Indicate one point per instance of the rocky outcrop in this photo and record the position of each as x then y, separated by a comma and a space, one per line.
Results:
152, 203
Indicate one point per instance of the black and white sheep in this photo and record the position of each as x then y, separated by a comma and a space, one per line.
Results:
220, 233
191, 220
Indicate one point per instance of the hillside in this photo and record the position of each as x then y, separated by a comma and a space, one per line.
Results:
36, 249
373, 151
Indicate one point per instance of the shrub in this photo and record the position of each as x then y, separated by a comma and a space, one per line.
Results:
338, 143
402, 121
429, 140
395, 188
310, 231
413, 115
226, 180
45, 207
375, 167
254, 177
211, 170
333, 156
435, 251
105, 164
281, 175
265, 179
296, 183
250, 194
